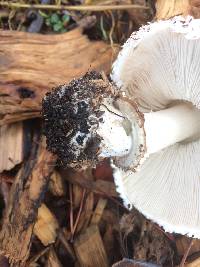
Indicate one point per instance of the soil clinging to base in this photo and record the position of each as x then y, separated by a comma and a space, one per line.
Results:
71, 115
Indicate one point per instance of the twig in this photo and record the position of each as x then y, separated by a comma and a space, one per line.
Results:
186, 254
96, 8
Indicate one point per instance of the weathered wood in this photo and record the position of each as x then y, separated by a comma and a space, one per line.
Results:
56, 185
99, 186
90, 249
13, 109
31, 64
170, 8
96, 217
182, 243
11, 145
86, 213
194, 8
46, 226
25, 197
53, 260
63, 237
195, 263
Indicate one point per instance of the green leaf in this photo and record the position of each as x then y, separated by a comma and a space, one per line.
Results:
58, 26
54, 18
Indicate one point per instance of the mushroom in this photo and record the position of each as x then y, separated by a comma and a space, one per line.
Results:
147, 122
158, 68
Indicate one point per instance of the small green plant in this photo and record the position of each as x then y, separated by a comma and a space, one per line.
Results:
57, 22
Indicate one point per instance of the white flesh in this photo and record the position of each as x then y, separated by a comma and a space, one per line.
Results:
116, 141
178, 123
157, 66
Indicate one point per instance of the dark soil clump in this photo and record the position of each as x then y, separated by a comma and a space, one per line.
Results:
71, 117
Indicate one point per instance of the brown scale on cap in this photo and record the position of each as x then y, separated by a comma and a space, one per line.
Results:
71, 117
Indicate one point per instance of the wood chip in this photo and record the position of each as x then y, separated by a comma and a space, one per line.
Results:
90, 250
11, 144
56, 185
195, 263
86, 213
167, 9
98, 211
182, 243
46, 226
26, 195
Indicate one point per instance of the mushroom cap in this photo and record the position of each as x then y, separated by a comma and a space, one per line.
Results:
159, 64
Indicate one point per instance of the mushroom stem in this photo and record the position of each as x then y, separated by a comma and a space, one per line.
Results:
114, 134
121, 136
179, 123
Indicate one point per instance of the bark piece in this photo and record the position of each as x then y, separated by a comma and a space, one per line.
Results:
46, 226
31, 64
90, 249
11, 144
26, 195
